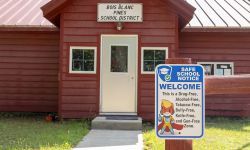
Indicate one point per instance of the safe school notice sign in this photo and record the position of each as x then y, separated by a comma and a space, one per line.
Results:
179, 101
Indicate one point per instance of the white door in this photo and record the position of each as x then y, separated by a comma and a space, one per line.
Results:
118, 73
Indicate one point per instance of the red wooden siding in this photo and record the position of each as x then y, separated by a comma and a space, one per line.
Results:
80, 94
228, 47
28, 71
220, 47
228, 105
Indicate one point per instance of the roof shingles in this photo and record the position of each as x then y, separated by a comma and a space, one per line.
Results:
221, 13
22, 13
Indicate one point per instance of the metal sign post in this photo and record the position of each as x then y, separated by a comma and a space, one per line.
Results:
179, 102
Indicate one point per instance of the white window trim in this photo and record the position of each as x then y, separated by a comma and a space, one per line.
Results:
70, 60
215, 65
142, 57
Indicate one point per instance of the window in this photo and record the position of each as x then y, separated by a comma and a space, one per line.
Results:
119, 59
151, 57
82, 60
218, 68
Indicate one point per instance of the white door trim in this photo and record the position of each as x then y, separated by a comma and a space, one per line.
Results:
136, 71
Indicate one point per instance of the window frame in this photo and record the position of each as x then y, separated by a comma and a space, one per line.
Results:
82, 48
142, 57
215, 66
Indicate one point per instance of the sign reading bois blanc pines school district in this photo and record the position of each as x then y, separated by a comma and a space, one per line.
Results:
179, 101
119, 12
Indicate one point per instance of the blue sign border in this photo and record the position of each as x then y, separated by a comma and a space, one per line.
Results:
156, 103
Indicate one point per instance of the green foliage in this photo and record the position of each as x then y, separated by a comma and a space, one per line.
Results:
31, 131
151, 142
220, 134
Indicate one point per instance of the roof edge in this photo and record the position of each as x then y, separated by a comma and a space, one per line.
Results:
216, 29
29, 28
184, 10
52, 9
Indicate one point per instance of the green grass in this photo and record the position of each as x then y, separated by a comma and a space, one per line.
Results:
220, 134
33, 132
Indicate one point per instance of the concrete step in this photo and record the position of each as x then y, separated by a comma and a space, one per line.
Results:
117, 123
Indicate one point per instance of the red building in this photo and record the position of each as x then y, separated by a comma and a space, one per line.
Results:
91, 57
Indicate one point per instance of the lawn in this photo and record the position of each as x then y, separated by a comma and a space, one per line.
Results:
220, 134
31, 131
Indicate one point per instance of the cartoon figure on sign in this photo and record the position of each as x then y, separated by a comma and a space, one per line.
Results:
166, 118
165, 73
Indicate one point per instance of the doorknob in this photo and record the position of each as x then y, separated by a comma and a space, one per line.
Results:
132, 78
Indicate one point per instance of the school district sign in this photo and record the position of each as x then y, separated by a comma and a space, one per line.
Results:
119, 12
179, 101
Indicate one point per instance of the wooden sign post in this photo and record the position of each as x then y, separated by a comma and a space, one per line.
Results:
178, 144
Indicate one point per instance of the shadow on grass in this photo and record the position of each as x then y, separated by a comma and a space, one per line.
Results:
244, 146
31, 131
